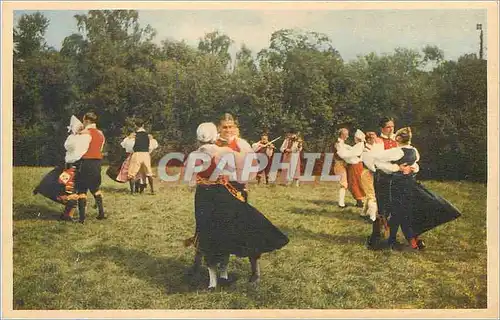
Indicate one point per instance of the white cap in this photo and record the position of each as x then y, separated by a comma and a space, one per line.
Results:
206, 132
360, 135
75, 125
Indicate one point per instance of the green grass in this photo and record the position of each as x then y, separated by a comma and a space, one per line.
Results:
136, 258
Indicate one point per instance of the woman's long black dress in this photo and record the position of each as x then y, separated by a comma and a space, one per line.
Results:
226, 224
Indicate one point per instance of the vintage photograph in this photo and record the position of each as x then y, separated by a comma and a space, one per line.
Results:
250, 158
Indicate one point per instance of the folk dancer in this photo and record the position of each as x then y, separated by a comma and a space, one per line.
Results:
355, 169
370, 210
229, 136
75, 146
397, 162
88, 176
139, 183
59, 184
226, 223
342, 168
141, 158
358, 179
382, 184
414, 208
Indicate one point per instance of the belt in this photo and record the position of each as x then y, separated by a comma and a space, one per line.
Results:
224, 182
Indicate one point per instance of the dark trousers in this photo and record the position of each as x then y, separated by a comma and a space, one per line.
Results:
402, 203
89, 179
89, 176
382, 184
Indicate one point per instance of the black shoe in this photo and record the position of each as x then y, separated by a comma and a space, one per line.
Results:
81, 221
359, 204
101, 218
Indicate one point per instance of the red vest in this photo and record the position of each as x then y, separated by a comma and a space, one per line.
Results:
95, 146
389, 143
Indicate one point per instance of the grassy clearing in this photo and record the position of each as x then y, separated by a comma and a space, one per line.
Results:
136, 259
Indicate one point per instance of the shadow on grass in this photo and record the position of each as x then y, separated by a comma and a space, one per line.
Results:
119, 188
344, 214
168, 273
324, 202
302, 233
36, 212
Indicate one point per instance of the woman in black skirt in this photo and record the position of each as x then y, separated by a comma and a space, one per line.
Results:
413, 208
225, 223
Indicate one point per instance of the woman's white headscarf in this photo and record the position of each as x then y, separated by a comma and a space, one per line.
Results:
206, 132
75, 125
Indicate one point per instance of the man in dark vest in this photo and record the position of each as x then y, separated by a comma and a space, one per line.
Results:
141, 158
88, 177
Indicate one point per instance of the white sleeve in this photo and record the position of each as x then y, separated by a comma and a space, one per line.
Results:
374, 158
387, 167
388, 155
76, 146
153, 144
356, 151
128, 144
124, 141
69, 143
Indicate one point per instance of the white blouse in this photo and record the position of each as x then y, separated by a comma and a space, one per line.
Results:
76, 146
351, 155
382, 159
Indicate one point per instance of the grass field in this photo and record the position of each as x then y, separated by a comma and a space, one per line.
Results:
136, 259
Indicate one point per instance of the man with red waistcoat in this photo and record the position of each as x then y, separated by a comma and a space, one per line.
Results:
89, 172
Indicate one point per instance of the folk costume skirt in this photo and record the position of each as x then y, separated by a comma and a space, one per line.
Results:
117, 170
430, 209
425, 209
228, 225
354, 172
57, 184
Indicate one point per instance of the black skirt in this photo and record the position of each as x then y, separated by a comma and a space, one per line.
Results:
50, 187
227, 225
430, 209
115, 167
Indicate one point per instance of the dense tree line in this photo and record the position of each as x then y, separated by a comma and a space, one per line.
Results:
113, 67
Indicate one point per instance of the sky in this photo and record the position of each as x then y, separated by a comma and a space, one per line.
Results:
352, 32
